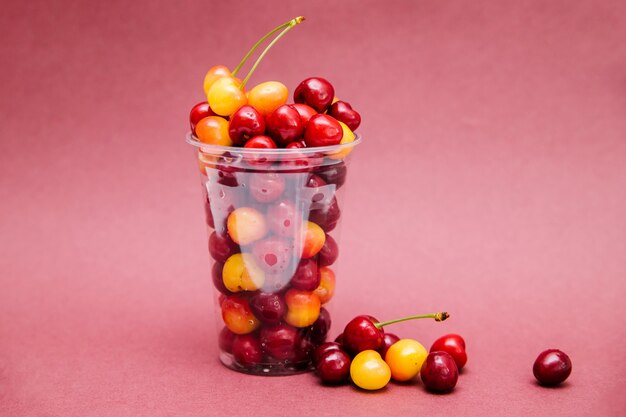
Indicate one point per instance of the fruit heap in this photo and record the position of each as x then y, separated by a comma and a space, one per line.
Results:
370, 358
271, 214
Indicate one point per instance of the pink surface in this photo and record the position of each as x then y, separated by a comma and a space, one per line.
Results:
491, 184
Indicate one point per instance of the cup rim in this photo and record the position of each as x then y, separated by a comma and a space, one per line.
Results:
219, 149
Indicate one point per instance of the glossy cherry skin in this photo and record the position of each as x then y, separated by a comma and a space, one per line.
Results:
329, 252
315, 92
305, 112
307, 276
266, 187
225, 340
247, 350
280, 341
221, 247
284, 125
199, 112
388, 340
259, 142
333, 367
218, 281
344, 112
322, 349
245, 124
439, 372
552, 367
273, 254
284, 219
322, 130
361, 334
267, 307
339, 339
326, 217
297, 145
454, 345
319, 330
333, 174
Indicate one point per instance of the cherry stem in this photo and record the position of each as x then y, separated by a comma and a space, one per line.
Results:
287, 26
437, 316
256, 45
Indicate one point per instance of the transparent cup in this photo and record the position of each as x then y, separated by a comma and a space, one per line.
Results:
273, 218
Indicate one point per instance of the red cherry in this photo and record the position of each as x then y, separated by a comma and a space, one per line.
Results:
269, 308
266, 187
284, 219
454, 345
259, 142
315, 92
388, 340
362, 334
323, 130
333, 367
221, 246
322, 349
307, 276
297, 145
439, 372
218, 281
225, 340
280, 341
244, 124
319, 330
326, 216
284, 125
339, 339
333, 174
305, 112
343, 112
247, 350
329, 252
199, 112
552, 367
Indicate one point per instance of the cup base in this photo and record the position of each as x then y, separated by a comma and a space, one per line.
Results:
266, 369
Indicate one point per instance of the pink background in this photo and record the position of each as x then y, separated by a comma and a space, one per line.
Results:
492, 184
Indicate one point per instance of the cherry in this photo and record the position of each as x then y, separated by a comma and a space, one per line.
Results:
366, 333
305, 112
339, 339
333, 174
244, 124
269, 308
208, 215
322, 130
326, 217
224, 200
247, 350
317, 182
315, 92
307, 276
213, 74
439, 372
319, 330
388, 340
280, 341
273, 254
454, 345
221, 247
268, 96
237, 315
296, 145
552, 367
326, 289
329, 252
213, 130
284, 125
259, 142
226, 96
199, 112
333, 367
266, 187
303, 307
225, 340
343, 112
324, 348
284, 219
299, 162
218, 281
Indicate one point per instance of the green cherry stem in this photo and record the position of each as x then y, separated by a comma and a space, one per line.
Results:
437, 316
256, 45
289, 25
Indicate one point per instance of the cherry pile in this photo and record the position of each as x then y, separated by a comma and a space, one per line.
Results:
370, 358
271, 214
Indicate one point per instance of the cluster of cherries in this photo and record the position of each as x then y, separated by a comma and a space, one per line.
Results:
369, 357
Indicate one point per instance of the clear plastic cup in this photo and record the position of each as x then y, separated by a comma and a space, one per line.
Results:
273, 218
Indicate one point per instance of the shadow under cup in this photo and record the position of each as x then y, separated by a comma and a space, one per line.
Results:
273, 218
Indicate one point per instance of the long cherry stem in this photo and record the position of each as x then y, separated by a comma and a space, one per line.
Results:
287, 26
437, 316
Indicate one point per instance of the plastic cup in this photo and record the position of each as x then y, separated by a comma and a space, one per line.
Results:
273, 219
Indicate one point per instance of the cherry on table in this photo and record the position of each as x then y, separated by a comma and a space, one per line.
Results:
333, 366
388, 340
322, 349
454, 345
439, 372
552, 367
344, 112
284, 125
245, 124
247, 351
315, 92
268, 307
